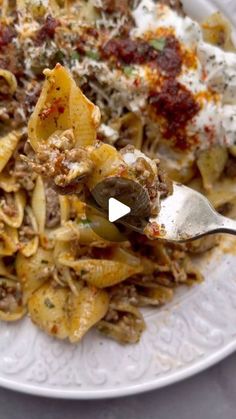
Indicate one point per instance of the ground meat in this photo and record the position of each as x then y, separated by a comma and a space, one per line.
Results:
178, 106
48, 30
143, 170
26, 233
125, 293
52, 207
10, 297
126, 51
66, 167
23, 174
11, 59
28, 98
8, 205
8, 303
165, 185
7, 33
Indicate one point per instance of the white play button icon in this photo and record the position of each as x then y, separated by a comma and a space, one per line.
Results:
116, 209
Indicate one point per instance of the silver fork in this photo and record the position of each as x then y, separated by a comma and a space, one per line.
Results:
188, 215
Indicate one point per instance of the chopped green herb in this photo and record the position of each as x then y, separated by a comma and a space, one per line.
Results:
94, 55
75, 55
128, 70
159, 44
48, 303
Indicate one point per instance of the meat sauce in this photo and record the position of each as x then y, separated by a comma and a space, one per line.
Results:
127, 51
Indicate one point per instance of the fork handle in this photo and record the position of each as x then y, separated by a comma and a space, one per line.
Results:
225, 225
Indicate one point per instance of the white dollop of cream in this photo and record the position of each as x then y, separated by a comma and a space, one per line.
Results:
149, 16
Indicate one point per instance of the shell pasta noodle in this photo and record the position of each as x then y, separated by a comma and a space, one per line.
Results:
88, 91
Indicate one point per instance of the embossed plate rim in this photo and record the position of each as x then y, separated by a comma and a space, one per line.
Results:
182, 374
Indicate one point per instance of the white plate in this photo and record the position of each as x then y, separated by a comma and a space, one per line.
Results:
195, 331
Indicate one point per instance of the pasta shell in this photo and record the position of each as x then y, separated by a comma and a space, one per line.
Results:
101, 273
107, 162
217, 30
62, 106
77, 206
10, 79
65, 208
47, 309
86, 309
29, 244
8, 144
5, 271
39, 207
154, 294
4, 8
38, 204
34, 271
11, 308
232, 150
8, 240
12, 209
224, 191
63, 250
67, 232
124, 256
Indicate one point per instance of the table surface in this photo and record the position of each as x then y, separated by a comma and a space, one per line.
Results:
209, 395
